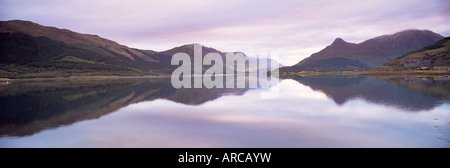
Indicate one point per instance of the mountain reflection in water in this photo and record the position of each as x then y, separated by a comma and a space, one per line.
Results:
30, 107
413, 94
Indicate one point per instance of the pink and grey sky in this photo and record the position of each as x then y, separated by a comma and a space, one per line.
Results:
293, 28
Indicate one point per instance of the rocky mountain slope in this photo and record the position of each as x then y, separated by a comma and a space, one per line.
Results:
341, 55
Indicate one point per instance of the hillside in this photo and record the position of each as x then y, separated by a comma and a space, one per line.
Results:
32, 50
29, 50
433, 55
341, 55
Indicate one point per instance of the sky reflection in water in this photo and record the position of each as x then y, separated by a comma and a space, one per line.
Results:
299, 117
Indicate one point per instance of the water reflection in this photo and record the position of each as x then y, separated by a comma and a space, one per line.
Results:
327, 111
29, 107
412, 94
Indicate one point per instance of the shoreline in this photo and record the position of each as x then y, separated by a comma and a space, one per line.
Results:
95, 77
82, 77
370, 73
415, 73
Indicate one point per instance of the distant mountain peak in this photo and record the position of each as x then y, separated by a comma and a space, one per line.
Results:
190, 45
413, 31
408, 32
339, 42
189, 49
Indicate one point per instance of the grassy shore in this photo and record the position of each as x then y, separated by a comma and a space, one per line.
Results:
409, 73
98, 77
406, 73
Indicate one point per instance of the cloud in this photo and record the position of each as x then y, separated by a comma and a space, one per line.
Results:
290, 27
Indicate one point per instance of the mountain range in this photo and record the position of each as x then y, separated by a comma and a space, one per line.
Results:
342, 55
29, 50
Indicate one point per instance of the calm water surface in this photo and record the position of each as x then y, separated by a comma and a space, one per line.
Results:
325, 111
